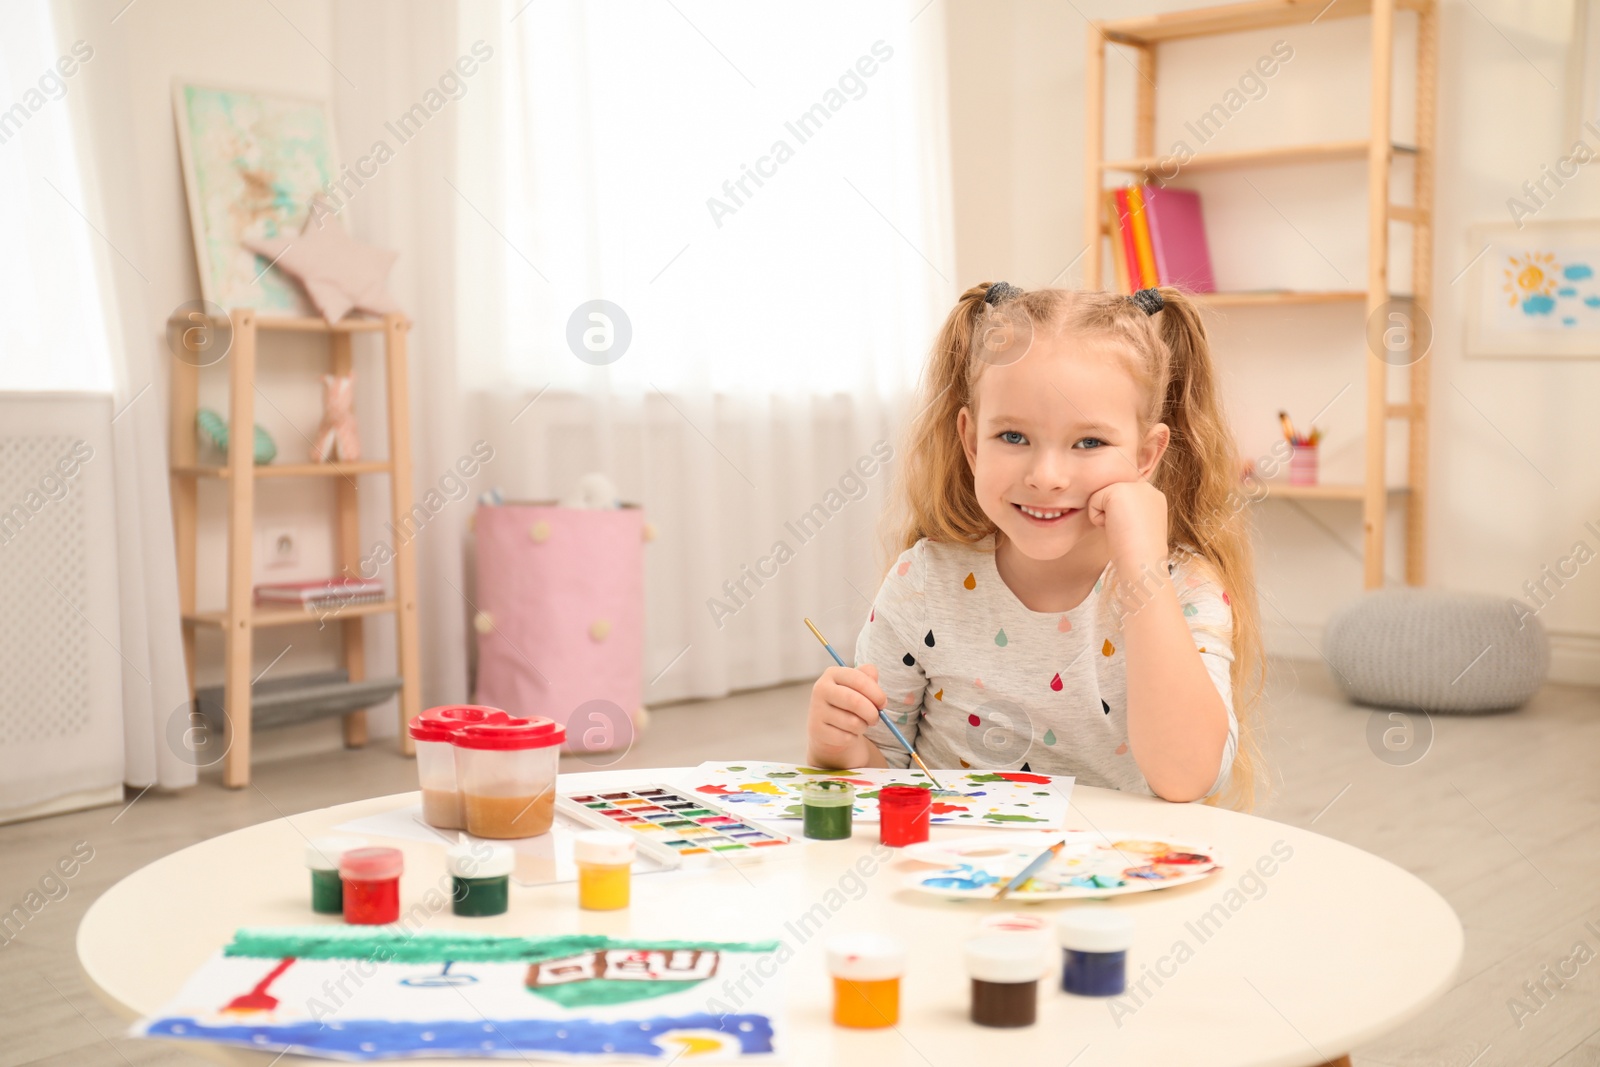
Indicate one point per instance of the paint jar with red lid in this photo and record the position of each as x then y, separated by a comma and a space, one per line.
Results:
371, 878
903, 812
507, 775
433, 732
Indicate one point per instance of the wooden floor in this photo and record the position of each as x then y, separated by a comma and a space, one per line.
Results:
1502, 816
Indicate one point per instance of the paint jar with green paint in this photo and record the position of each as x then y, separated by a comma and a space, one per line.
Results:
480, 877
322, 858
828, 808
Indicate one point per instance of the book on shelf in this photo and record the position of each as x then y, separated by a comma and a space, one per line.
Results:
321, 593
1141, 238
1119, 255
1158, 237
1178, 238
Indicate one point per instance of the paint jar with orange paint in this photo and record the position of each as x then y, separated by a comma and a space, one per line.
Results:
866, 970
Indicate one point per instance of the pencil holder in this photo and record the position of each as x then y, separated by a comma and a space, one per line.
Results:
1303, 465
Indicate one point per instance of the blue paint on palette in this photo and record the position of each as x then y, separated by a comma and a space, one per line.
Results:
372, 1040
965, 876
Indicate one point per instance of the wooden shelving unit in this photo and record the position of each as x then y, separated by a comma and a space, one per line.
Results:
1378, 149
240, 619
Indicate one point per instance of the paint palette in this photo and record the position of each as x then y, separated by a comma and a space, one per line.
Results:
1093, 864
674, 827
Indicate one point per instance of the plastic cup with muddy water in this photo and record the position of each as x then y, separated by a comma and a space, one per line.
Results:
433, 731
507, 775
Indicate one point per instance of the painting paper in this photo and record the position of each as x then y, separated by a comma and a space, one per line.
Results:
1009, 799
353, 993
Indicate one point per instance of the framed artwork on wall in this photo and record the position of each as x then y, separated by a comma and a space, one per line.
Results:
252, 162
1534, 289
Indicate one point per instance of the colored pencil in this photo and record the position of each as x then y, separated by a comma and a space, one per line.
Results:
882, 714
1288, 427
1031, 869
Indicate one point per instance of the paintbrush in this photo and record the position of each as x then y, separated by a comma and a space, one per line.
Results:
1288, 427
882, 714
1031, 869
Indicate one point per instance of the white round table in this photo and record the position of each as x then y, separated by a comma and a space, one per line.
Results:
1299, 950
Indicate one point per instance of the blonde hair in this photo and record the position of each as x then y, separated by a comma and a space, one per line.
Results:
1170, 358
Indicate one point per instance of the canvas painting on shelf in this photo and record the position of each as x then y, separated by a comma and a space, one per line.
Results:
251, 164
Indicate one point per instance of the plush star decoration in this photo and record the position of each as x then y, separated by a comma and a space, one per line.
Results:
338, 272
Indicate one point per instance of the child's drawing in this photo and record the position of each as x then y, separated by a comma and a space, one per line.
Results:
350, 993
1537, 292
1012, 799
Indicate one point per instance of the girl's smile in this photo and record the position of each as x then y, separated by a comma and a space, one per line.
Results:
1046, 516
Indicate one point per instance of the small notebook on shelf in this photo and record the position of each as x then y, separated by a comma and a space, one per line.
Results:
1178, 238
321, 593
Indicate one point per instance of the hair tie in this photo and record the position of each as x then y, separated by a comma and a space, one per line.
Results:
1148, 300
1000, 291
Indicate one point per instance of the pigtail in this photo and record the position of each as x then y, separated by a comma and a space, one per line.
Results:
934, 496
1199, 475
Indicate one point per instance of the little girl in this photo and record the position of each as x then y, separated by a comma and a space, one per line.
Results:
1073, 593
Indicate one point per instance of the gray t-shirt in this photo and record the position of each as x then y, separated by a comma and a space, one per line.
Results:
976, 679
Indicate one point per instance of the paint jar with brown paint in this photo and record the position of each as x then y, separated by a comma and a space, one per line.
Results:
1005, 979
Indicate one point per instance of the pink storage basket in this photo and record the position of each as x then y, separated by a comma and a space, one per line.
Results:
560, 621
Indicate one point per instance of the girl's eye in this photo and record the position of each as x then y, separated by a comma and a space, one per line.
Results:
1091, 442
1012, 437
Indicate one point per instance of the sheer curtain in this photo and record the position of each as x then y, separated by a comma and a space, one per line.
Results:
759, 193
72, 307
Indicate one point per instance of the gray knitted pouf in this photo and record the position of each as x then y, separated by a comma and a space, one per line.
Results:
1433, 650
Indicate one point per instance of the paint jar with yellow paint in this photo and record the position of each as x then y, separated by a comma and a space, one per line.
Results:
605, 861
866, 970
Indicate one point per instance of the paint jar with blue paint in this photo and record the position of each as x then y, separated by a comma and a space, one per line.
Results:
1094, 948
828, 806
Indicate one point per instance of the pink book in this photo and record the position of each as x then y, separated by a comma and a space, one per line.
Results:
319, 589
1178, 237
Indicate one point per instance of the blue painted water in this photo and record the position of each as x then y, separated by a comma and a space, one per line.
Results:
512, 1038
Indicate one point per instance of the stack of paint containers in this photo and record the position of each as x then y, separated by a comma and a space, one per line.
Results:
433, 731
486, 771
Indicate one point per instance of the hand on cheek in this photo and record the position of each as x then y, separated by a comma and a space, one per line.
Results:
1134, 514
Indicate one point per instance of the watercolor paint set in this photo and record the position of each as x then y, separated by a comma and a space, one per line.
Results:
676, 827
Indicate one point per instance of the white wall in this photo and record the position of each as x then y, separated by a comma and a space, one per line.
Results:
1500, 427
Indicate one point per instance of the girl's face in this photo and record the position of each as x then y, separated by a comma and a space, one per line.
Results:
1049, 431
